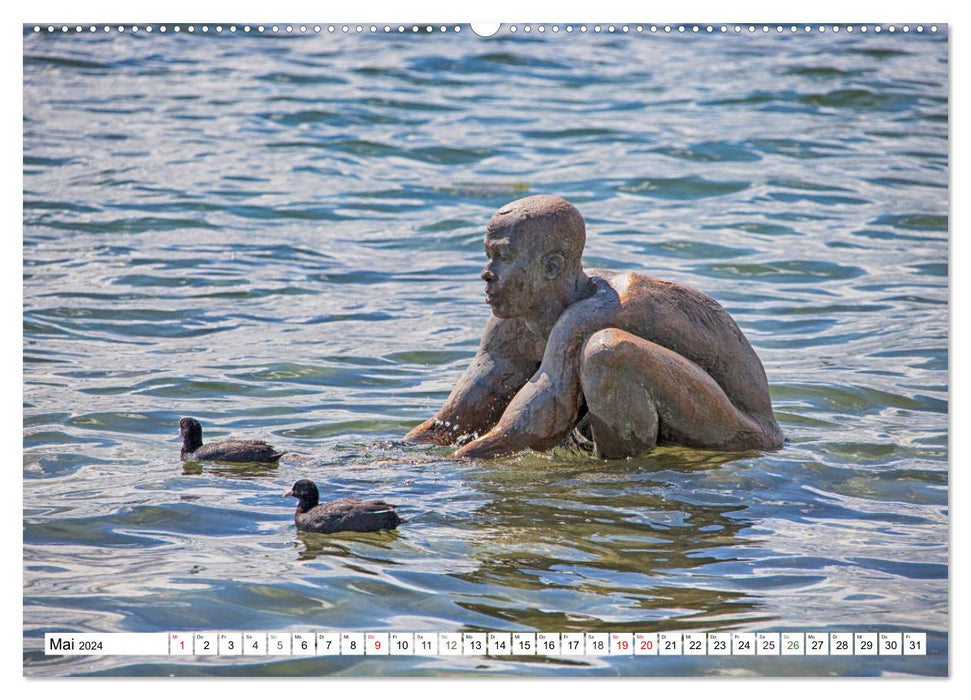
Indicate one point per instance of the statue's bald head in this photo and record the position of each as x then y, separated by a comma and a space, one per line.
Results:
549, 223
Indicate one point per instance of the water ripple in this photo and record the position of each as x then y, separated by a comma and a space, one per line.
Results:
283, 237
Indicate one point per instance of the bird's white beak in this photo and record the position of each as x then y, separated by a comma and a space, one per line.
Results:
288, 493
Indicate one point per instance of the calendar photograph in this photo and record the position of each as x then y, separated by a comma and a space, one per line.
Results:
535, 350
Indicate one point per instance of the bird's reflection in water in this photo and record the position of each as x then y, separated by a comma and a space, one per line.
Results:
349, 546
245, 470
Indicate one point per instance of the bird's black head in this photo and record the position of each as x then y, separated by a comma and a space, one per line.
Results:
306, 492
191, 433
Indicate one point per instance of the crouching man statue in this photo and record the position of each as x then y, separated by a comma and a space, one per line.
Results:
629, 361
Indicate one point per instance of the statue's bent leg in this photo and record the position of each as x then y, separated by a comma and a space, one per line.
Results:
639, 394
623, 415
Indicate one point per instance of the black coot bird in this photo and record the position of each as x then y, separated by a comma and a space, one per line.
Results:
225, 451
345, 515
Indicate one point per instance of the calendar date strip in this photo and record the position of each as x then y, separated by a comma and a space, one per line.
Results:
561, 644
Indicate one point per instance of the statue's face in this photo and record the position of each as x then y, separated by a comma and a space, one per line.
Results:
514, 275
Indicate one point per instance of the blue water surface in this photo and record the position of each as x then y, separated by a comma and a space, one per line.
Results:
281, 235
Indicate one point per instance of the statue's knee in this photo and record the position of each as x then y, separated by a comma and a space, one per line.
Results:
600, 356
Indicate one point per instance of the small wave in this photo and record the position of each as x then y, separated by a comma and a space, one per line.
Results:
711, 152
784, 271
682, 188
914, 222
862, 99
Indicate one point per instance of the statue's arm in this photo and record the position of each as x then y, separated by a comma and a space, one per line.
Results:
504, 362
544, 411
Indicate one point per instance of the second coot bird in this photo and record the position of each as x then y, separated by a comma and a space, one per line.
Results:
345, 515
224, 451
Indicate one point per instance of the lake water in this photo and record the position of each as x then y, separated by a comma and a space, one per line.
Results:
282, 236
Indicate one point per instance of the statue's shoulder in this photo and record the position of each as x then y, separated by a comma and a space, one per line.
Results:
634, 287
621, 280
627, 287
639, 296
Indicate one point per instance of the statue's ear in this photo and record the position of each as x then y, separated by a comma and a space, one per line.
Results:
552, 265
